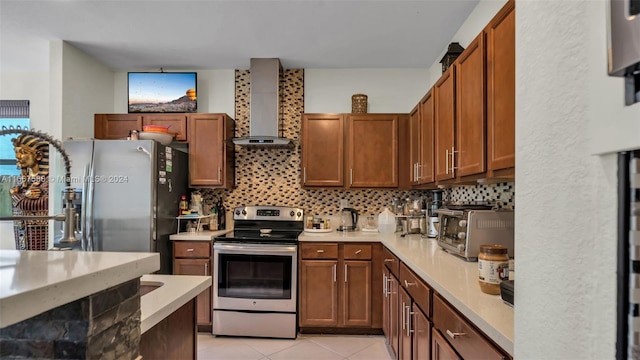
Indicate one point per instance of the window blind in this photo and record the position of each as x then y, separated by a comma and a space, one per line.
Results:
14, 109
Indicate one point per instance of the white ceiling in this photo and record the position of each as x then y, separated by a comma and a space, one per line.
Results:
225, 34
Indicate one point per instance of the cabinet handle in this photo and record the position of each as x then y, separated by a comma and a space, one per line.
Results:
334, 273
189, 250
206, 268
351, 176
358, 251
446, 161
345, 273
219, 174
409, 313
304, 175
319, 251
407, 284
453, 160
404, 321
455, 335
419, 173
389, 260
384, 285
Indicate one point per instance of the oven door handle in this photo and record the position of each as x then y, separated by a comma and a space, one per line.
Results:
248, 249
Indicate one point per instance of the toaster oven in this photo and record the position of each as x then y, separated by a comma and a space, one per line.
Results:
463, 231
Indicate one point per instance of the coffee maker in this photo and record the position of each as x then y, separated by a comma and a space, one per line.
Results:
435, 203
348, 220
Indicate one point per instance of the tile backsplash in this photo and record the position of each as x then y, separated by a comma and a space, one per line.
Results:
269, 176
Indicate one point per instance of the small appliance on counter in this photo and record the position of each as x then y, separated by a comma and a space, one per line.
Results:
434, 203
506, 291
348, 220
464, 227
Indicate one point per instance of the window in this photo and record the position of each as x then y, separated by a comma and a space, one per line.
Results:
12, 113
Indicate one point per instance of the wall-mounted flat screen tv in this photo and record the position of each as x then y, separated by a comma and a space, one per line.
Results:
162, 92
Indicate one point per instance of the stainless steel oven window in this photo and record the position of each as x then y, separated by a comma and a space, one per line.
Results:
254, 276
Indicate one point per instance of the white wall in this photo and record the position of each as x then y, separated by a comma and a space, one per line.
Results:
388, 90
566, 198
216, 91
35, 88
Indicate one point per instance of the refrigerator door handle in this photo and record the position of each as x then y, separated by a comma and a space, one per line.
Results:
84, 209
91, 188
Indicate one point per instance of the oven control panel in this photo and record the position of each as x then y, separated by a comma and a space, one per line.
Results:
273, 213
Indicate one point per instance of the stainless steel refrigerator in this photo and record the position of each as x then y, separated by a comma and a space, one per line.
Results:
130, 194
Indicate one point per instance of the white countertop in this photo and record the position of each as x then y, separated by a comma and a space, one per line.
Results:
454, 279
176, 290
32, 282
198, 235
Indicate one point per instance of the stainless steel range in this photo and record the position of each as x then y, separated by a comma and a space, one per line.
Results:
255, 273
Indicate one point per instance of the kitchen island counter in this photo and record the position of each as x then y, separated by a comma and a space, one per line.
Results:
32, 282
453, 278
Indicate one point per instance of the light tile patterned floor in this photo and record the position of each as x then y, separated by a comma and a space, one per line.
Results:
305, 347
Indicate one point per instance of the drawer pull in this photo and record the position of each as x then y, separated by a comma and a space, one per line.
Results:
454, 335
319, 251
359, 251
389, 260
407, 284
190, 250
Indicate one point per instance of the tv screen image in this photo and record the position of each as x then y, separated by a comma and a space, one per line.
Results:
165, 92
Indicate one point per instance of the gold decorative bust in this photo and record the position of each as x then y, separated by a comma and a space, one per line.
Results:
31, 195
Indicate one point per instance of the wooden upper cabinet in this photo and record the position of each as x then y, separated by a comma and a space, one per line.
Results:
414, 145
177, 123
211, 153
372, 148
427, 141
501, 82
444, 124
115, 126
469, 154
322, 150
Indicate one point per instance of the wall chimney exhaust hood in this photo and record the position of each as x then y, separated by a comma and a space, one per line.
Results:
265, 120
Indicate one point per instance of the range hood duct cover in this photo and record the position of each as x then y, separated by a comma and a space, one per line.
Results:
265, 119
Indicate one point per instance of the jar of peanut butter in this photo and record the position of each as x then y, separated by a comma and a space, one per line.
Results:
493, 267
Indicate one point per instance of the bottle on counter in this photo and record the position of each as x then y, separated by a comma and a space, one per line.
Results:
213, 220
493, 268
184, 206
221, 215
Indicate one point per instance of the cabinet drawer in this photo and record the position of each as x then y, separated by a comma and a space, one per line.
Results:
418, 290
391, 261
319, 251
357, 252
192, 249
467, 341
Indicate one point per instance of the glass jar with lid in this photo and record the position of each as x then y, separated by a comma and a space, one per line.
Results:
493, 267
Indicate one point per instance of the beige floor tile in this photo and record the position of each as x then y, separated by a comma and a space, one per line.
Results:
271, 346
225, 349
377, 351
306, 350
345, 345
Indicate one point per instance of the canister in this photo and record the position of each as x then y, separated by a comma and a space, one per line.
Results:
493, 267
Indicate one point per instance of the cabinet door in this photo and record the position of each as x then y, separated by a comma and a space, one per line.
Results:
373, 151
197, 267
404, 341
322, 145
414, 145
318, 293
427, 141
501, 83
356, 308
177, 123
444, 120
115, 126
440, 349
421, 334
208, 150
469, 155
394, 314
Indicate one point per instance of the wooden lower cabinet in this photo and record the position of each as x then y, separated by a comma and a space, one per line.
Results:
404, 344
194, 258
336, 286
174, 337
440, 348
391, 310
421, 334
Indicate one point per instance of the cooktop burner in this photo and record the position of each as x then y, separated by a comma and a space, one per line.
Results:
265, 224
